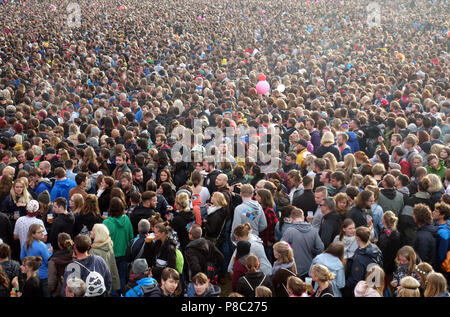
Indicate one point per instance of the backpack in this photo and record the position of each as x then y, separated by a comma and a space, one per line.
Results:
95, 284
179, 261
236, 200
251, 287
293, 274
85, 231
146, 290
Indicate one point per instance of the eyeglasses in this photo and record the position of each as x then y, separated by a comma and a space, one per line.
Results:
40, 231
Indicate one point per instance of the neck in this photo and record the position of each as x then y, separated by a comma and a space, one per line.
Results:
31, 274
322, 285
82, 256
440, 222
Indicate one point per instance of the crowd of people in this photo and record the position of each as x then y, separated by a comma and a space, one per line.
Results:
342, 188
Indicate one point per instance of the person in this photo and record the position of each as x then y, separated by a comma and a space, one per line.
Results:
405, 265
320, 194
102, 246
32, 287
295, 181
331, 222
121, 233
81, 179
136, 247
436, 166
283, 268
306, 200
200, 251
390, 198
304, 240
338, 182
366, 254
347, 236
342, 205
425, 241
64, 221
263, 291
90, 268
253, 278
199, 189
24, 223
76, 203
104, 193
239, 268
75, 287
11, 268
363, 201
203, 288
265, 199
214, 223
4, 284
441, 215
88, 216
436, 286
436, 190
284, 222
423, 269
57, 263
62, 186
170, 283
17, 200
323, 277
333, 259
244, 233
34, 246
209, 166
183, 219
160, 252
296, 287
249, 211
141, 283
409, 287
144, 211
371, 287
326, 145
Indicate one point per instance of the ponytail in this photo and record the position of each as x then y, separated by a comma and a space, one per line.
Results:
243, 230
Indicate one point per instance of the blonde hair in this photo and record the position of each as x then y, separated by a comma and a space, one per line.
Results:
101, 233
219, 199
390, 220
331, 159
408, 253
78, 201
378, 169
376, 270
436, 183
286, 253
435, 284
25, 198
295, 286
322, 273
182, 201
327, 138
409, 287
262, 291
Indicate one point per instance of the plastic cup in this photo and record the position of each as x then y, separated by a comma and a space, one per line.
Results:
310, 214
50, 218
308, 282
150, 238
105, 215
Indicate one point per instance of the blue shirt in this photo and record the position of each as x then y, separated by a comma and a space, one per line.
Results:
38, 248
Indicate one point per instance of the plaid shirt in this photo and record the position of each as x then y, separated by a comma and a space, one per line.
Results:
268, 235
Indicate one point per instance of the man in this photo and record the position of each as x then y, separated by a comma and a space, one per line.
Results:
441, 215
209, 166
390, 198
75, 287
138, 179
409, 144
396, 140
126, 184
144, 211
200, 251
141, 283
92, 269
53, 158
342, 145
338, 182
435, 135
290, 163
306, 200
331, 223
121, 166
319, 166
222, 187
304, 240
425, 241
161, 144
46, 170
295, 183
40, 184
320, 195
62, 186
81, 179
302, 152
63, 222
249, 211
315, 134
436, 166
68, 165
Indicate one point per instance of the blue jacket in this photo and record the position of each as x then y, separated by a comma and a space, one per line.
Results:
353, 141
358, 264
44, 185
443, 242
335, 266
38, 248
61, 189
147, 285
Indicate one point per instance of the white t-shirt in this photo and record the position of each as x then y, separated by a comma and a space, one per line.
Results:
22, 226
204, 195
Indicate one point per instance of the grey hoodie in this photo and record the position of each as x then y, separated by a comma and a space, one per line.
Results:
256, 248
249, 211
306, 243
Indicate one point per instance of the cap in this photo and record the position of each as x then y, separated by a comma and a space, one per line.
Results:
140, 266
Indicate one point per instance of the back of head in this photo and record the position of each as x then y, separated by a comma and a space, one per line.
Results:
435, 284
363, 233
252, 263
409, 287
82, 243
322, 273
247, 190
243, 230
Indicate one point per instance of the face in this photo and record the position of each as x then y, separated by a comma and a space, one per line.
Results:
206, 166
139, 177
163, 176
153, 202
434, 163
350, 231
159, 235
342, 204
6, 159
443, 154
318, 197
335, 183
370, 201
125, 183
402, 260
25, 269
200, 288
39, 234
18, 188
220, 181
436, 214
417, 163
289, 160
258, 198
170, 285
71, 204
119, 161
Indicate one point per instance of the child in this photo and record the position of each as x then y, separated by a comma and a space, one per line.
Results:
296, 287
406, 265
31, 288
262, 291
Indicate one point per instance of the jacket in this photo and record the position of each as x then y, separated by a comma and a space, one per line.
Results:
6, 229
306, 244
358, 217
279, 280
353, 141
406, 224
145, 287
211, 291
88, 220
350, 245
256, 248
44, 185
9, 206
199, 252
443, 240
268, 234
121, 232
389, 243
335, 266
62, 189
118, 171
105, 251
62, 223
210, 181
358, 264
181, 223
391, 199
330, 227
322, 150
103, 200
306, 201
140, 212
440, 171
247, 284
214, 225
11, 269
249, 211
56, 267
425, 244
134, 248
239, 270
159, 256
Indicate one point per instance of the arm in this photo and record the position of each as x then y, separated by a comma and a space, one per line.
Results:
193, 262
52, 277
318, 246
262, 225
326, 233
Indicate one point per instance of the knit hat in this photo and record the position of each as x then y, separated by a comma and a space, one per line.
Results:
44, 197
140, 266
33, 208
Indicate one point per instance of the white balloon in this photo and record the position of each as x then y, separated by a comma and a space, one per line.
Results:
281, 88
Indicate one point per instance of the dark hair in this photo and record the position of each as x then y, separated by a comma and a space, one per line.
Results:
61, 202
339, 176
346, 223
363, 233
336, 249
116, 207
285, 213
82, 243
65, 241
80, 177
422, 215
5, 251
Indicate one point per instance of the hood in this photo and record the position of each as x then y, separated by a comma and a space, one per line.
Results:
105, 246
213, 209
186, 215
389, 193
303, 226
66, 183
62, 257
120, 222
351, 136
141, 210
146, 281
404, 190
199, 244
212, 291
373, 252
254, 239
333, 262
253, 204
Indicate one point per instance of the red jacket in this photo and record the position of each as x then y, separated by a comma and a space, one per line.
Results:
239, 270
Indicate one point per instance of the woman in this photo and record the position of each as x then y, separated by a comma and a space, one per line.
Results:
377, 211
326, 145
369, 287
58, 262
347, 236
160, 253
199, 189
4, 284
32, 287
283, 268
284, 223
389, 244
17, 200
342, 205
183, 219
243, 232
45, 209
436, 189
363, 201
118, 193
203, 288
361, 158
6, 183
10, 267
332, 163
167, 191
104, 193
247, 284
170, 283
88, 216
121, 232
366, 254
409, 287
265, 199
76, 203
350, 167
165, 177
423, 269
35, 247
239, 268
102, 246
214, 223
436, 286
333, 259
323, 277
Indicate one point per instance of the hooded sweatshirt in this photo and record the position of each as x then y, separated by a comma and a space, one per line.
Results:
353, 141
350, 245
443, 242
145, 287
306, 244
363, 290
62, 223
249, 211
62, 189
256, 248
121, 233
44, 185
105, 251
335, 266
391, 199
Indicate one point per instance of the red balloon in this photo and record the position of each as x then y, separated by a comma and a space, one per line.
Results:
262, 77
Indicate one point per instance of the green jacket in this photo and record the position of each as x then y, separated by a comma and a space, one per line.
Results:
106, 251
121, 233
440, 171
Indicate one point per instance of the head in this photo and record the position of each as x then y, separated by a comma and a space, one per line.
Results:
35, 232
60, 205
390, 220
201, 283
297, 215
247, 191
170, 282
221, 180
295, 286
182, 202
321, 274
264, 197
406, 256
422, 215
342, 203
362, 236
365, 199
242, 231
435, 285
100, 234
328, 206
116, 207
409, 287
75, 287
283, 253
76, 203
30, 264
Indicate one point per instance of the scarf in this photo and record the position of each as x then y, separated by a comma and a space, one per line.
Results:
277, 266
213, 209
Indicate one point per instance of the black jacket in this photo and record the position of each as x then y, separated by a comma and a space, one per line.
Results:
180, 223
62, 223
140, 212
198, 252
159, 256
88, 220
425, 244
305, 201
214, 225
406, 224
210, 181
103, 200
322, 150
358, 217
389, 245
247, 284
330, 228
6, 229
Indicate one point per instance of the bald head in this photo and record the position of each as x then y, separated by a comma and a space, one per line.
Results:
221, 180
45, 168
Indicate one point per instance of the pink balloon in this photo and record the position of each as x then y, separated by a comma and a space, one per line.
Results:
262, 87
121, 8
263, 11
199, 18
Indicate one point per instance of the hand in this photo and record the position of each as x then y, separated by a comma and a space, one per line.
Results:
21, 204
15, 282
394, 284
169, 216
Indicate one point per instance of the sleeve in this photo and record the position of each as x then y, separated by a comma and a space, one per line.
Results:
326, 233
52, 278
263, 224
197, 213
442, 249
193, 262
16, 226
54, 193
318, 245
172, 257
